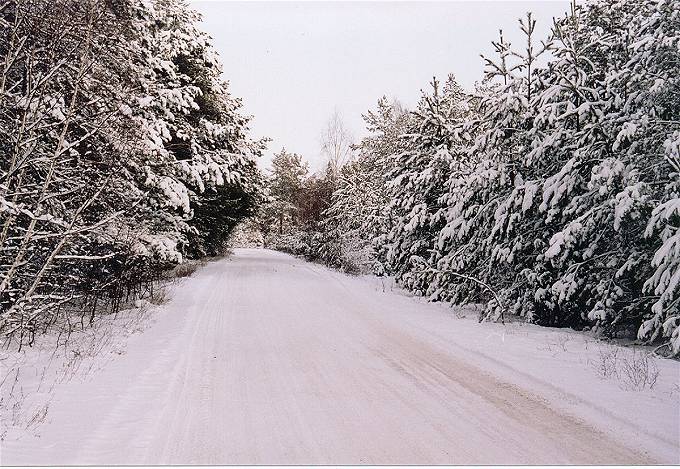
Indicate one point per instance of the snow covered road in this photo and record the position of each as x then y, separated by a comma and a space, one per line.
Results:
265, 359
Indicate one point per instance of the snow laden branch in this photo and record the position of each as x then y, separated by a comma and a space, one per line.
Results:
499, 304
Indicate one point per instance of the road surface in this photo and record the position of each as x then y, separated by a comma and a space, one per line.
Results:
262, 358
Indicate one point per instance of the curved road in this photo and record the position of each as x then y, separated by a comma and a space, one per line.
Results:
265, 359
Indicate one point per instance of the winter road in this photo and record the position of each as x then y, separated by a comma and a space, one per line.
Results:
263, 358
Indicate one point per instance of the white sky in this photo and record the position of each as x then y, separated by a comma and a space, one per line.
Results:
293, 63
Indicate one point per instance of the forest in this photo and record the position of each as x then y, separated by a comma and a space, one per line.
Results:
123, 154
550, 193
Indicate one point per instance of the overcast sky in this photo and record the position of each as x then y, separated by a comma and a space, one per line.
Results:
292, 63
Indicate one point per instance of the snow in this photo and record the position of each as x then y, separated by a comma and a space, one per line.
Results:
262, 358
563, 238
529, 193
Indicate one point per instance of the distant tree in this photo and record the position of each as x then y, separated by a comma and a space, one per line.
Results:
336, 143
315, 197
285, 183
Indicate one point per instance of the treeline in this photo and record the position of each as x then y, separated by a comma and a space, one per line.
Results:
122, 153
551, 192
292, 213
294, 201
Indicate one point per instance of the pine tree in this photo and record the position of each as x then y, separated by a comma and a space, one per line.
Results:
286, 180
416, 181
358, 220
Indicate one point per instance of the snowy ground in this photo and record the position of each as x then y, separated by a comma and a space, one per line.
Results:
263, 358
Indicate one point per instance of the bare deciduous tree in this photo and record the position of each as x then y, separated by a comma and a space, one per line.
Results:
336, 142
